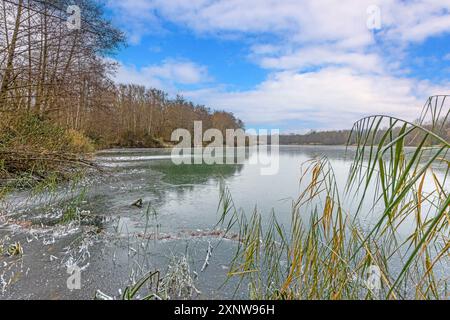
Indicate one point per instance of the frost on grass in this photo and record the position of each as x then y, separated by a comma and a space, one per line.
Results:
178, 283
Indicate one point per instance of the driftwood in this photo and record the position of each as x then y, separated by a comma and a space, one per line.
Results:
20, 156
138, 204
38, 165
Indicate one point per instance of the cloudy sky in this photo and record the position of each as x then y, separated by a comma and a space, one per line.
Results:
290, 64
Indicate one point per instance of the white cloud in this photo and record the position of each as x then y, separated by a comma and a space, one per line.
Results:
165, 75
184, 72
354, 72
304, 21
330, 98
313, 20
415, 20
129, 74
322, 56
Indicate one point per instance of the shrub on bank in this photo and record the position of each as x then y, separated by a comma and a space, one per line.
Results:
33, 133
131, 140
33, 148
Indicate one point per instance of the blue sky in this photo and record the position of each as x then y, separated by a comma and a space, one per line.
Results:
289, 64
226, 60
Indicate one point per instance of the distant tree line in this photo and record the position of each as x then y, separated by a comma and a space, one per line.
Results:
344, 137
316, 138
58, 72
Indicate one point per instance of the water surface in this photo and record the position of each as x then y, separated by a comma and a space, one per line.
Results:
178, 214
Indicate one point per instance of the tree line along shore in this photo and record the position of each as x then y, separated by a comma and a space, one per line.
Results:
58, 98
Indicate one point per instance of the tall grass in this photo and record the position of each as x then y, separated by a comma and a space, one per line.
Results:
329, 251
34, 151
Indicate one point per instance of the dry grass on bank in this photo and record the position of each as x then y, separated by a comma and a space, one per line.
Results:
33, 149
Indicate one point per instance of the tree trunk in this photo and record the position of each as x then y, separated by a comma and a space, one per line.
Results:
9, 64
